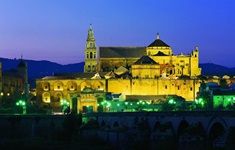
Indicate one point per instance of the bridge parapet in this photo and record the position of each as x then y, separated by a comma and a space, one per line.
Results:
178, 122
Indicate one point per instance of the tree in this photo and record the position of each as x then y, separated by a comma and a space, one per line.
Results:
223, 83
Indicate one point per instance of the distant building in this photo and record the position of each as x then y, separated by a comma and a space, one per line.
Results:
14, 84
129, 71
223, 98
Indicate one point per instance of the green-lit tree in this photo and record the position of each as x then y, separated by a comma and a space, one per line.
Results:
204, 101
168, 105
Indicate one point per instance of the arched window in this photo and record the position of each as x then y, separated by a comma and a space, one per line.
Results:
89, 68
90, 55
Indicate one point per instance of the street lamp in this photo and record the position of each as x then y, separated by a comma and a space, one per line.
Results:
22, 104
65, 106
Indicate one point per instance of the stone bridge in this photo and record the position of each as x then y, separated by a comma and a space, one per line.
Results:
195, 129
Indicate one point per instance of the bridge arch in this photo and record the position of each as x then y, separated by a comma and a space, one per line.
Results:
115, 124
214, 120
183, 125
216, 128
156, 126
104, 126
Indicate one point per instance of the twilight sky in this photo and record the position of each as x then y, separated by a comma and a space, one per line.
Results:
56, 30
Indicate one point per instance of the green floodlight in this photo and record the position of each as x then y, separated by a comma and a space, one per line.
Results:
171, 101
118, 104
23, 104
126, 103
20, 103
64, 102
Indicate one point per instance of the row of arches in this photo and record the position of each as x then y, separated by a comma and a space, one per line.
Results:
71, 85
184, 135
57, 97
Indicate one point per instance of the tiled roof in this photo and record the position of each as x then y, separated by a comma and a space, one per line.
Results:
158, 42
122, 52
160, 54
80, 75
145, 60
57, 77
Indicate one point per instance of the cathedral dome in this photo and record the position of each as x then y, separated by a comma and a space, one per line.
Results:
158, 43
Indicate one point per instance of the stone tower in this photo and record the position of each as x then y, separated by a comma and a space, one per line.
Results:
22, 70
91, 60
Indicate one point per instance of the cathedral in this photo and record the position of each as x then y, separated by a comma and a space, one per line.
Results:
151, 73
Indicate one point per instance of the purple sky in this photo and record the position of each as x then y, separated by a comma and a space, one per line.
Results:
56, 30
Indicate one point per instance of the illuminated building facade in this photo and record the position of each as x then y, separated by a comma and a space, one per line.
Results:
139, 71
151, 61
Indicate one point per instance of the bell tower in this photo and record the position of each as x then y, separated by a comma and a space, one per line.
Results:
91, 60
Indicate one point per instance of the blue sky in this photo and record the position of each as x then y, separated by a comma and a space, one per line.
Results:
56, 30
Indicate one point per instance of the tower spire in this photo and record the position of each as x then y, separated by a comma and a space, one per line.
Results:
91, 59
90, 35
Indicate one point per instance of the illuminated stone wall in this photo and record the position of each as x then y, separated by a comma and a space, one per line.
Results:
50, 91
145, 71
57, 90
